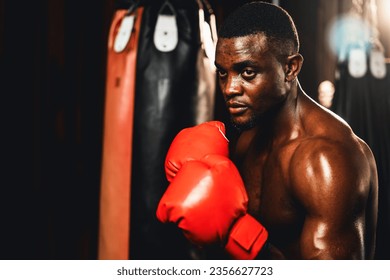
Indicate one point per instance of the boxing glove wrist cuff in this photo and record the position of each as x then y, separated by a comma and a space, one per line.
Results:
246, 238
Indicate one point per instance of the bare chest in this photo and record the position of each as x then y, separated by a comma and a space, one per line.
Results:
267, 183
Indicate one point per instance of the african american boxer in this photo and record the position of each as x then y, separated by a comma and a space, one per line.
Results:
297, 183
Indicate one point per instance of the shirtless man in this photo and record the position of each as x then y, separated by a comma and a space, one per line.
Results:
309, 185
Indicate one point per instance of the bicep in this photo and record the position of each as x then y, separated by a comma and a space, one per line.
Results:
333, 193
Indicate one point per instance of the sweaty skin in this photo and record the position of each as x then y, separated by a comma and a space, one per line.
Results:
311, 182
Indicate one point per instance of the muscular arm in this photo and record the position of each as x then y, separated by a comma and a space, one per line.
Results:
332, 183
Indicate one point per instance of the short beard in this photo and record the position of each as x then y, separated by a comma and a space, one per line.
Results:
265, 119
253, 121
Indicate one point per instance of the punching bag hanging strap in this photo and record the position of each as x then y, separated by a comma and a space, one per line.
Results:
207, 30
204, 104
114, 226
212, 20
166, 34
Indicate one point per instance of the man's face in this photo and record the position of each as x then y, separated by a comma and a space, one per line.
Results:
251, 78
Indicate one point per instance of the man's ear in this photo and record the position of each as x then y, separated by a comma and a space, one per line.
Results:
293, 66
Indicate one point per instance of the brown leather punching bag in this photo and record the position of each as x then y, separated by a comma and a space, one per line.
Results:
114, 227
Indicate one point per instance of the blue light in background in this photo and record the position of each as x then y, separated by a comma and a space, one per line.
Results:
346, 32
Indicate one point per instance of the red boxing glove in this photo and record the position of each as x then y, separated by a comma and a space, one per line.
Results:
208, 201
194, 143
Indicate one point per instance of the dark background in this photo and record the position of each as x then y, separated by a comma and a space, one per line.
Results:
53, 61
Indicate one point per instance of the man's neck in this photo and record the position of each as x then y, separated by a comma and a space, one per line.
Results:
283, 123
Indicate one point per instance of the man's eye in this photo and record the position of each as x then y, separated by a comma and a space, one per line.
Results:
248, 74
221, 73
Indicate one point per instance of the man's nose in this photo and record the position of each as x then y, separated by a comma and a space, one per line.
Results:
232, 86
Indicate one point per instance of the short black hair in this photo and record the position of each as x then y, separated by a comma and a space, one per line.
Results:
264, 18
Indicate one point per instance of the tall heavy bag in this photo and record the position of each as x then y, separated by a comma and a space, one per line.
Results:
114, 227
167, 98
205, 98
364, 102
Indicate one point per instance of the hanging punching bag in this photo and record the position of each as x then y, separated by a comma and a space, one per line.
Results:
379, 141
363, 100
205, 69
114, 227
167, 100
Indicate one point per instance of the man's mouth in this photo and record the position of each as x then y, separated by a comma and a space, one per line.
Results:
236, 108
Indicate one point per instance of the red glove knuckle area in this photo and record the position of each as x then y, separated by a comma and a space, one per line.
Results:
194, 143
204, 199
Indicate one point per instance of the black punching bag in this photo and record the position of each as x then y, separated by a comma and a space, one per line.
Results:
363, 100
166, 100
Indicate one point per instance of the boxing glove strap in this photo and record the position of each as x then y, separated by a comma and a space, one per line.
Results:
246, 238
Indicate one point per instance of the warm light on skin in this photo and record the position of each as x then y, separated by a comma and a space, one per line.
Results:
326, 169
319, 235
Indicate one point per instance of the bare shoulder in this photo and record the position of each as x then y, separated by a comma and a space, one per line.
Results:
334, 167
330, 147
332, 176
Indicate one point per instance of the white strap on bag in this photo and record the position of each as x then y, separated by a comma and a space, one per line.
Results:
377, 64
208, 35
166, 35
357, 62
124, 33
123, 36
212, 23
